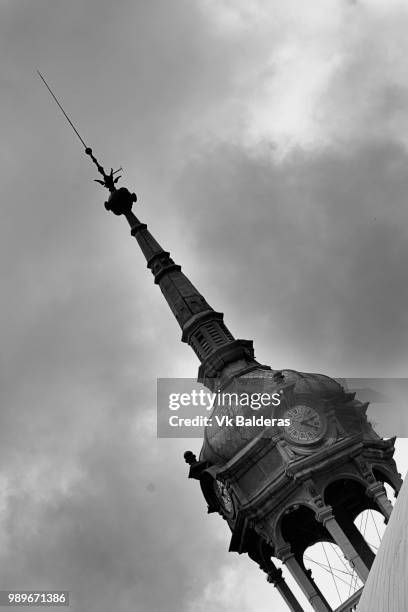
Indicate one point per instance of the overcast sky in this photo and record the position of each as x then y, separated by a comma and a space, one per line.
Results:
267, 142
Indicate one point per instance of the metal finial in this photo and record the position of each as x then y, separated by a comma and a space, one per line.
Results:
109, 180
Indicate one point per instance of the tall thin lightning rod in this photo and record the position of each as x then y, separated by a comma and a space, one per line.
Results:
108, 179
61, 107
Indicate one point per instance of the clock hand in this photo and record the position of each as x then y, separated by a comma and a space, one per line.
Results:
308, 423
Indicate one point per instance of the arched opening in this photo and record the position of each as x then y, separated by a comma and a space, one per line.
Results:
331, 571
348, 499
347, 493
371, 525
301, 529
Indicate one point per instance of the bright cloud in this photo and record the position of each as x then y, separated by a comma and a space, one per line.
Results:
326, 74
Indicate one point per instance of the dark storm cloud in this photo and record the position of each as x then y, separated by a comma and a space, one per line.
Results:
85, 332
314, 251
296, 248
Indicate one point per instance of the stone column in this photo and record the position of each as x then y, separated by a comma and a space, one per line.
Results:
276, 578
306, 583
356, 537
325, 516
377, 492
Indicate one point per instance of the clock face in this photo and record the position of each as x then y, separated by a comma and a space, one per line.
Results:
306, 424
224, 497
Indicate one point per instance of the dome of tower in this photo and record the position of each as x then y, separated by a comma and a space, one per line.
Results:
222, 442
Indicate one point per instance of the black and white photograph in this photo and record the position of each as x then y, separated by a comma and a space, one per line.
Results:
204, 298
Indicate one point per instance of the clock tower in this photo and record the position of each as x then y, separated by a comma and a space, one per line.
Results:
297, 476
281, 489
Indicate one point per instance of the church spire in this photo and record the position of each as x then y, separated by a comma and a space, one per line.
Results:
222, 356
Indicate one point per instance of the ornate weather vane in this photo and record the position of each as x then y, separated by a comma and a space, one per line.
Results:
120, 200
